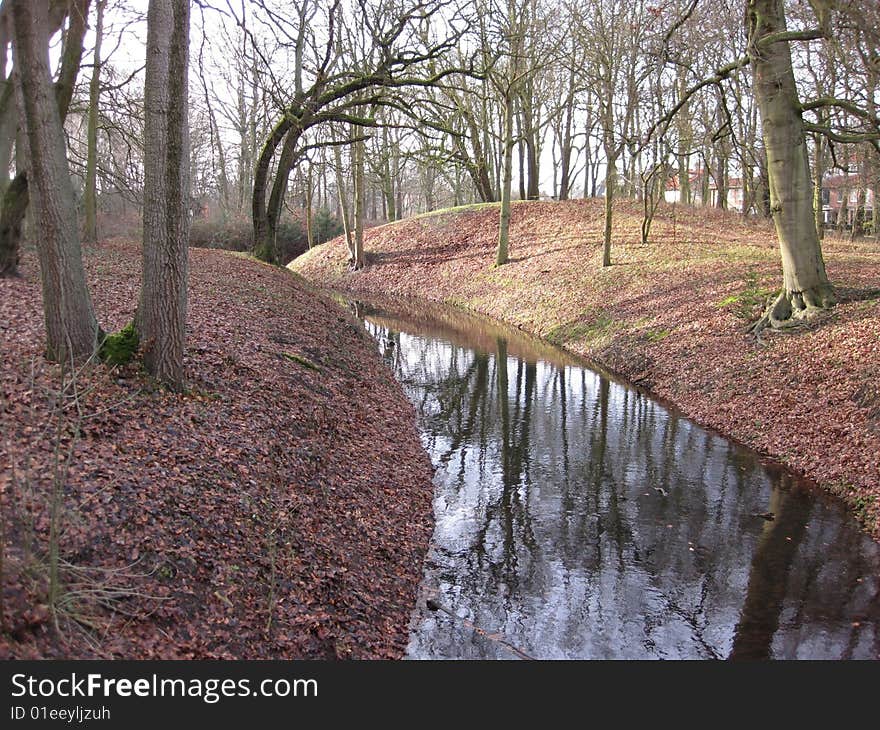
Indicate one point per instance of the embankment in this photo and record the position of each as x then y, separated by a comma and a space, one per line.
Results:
280, 508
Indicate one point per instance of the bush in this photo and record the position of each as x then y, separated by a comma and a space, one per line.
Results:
290, 241
233, 235
325, 226
238, 234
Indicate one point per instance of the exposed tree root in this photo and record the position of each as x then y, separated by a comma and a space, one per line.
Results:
792, 309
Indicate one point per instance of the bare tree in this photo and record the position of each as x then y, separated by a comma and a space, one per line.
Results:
15, 194
161, 316
805, 282
90, 194
71, 327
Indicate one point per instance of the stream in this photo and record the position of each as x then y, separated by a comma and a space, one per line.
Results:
577, 518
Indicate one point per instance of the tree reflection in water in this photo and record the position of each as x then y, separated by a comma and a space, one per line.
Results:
577, 518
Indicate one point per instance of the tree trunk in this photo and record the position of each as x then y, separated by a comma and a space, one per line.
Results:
843, 210
805, 283
343, 203
264, 235
501, 254
12, 214
685, 134
161, 316
521, 154
310, 234
858, 219
71, 327
90, 194
358, 260
16, 198
875, 215
610, 171
265, 246
818, 174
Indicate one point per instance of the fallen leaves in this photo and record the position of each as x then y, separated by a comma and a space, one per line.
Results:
276, 509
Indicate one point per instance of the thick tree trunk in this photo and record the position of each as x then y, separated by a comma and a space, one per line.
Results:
71, 326
161, 317
90, 194
266, 223
805, 283
16, 198
264, 235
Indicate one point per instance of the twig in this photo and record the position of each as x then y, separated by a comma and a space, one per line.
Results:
496, 637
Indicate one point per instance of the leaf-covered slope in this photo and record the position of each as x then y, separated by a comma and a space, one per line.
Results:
279, 509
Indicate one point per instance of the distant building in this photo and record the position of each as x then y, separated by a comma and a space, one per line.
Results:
734, 190
836, 189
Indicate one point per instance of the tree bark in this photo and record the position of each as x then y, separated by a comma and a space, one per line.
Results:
71, 326
805, 282
161, 317
263, 237
501, 254
16, 198
342, 199
357, 262
610, 171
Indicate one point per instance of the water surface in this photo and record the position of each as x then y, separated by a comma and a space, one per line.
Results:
578, 518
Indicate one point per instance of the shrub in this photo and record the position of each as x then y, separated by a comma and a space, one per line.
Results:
233, 235
325, 226
238, 235
290, 240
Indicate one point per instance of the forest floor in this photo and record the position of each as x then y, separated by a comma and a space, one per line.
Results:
280, 508
671, 316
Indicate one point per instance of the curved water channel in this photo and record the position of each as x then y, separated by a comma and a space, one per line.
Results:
578, 518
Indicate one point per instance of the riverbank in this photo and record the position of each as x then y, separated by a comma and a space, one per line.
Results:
280, 509
670, 316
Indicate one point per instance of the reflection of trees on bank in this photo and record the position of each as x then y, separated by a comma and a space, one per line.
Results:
579, 518
509, 511
796, 582
768, 578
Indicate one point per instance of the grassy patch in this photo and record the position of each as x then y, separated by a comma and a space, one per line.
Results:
300, 360
751, 301
657, 335
582, 331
